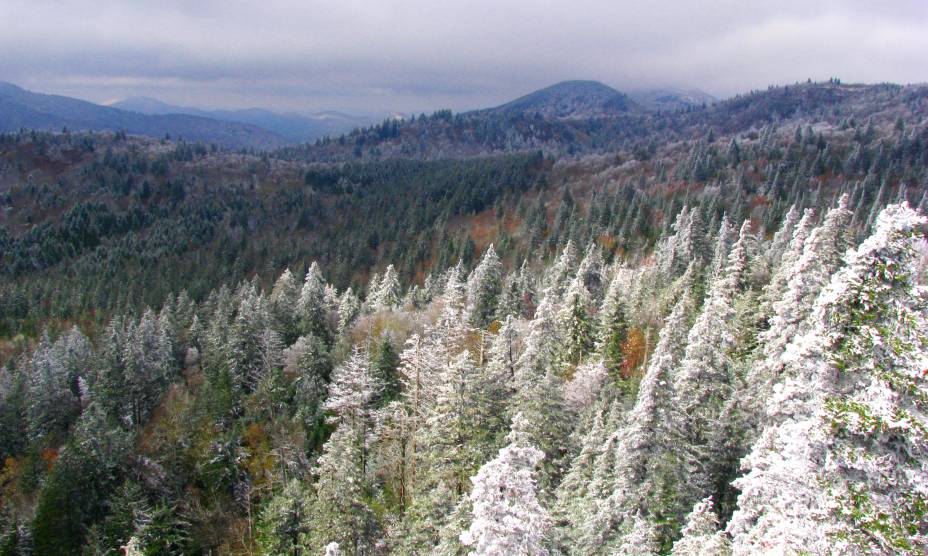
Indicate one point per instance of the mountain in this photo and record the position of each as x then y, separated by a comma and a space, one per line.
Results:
20, 108
582, 117
671, 99
294, 126
212, 352
571, 100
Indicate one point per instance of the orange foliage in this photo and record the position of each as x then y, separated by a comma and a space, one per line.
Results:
633, 352
260, 462
759, 200
49, 456
483, 228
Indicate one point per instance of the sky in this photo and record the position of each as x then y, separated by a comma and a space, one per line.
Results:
422, 55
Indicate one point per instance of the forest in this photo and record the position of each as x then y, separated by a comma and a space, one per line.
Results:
700, 333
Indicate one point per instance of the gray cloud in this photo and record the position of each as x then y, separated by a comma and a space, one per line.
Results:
427, 54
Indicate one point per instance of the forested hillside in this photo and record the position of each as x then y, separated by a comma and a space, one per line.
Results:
697, 332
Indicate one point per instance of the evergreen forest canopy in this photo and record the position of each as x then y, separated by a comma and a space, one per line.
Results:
504, 332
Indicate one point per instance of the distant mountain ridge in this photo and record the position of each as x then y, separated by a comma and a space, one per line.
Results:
294, 126
20, 108
576, 117
671, 99
570, 100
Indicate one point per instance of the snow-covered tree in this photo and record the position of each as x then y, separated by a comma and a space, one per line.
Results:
840, 468
51, 403
349, 306
311, 306
351, 391
483, 290
640, 540
723, 242
639, 461
575, 323
539, 394
284, 297
613, 327
590, 272
339, 510
785, 263
773, 254
701, 534
559, 274
508, 519
822, 254
308, 359
388, 291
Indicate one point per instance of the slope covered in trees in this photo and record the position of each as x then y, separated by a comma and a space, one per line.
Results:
717, 348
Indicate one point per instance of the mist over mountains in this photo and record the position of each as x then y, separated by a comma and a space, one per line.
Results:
264, 129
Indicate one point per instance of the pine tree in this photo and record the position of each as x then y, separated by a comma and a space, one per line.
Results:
723, 241
483, 290
283, 520
642, 458
351, 392
149, 367
784, 270
507, 516
613, 328
349, 307
837, 470
284, 301
510, 298
539, 392
387, 294
340, 510
703, 382
640, 540
701, 534
52, 405
590, 272
800, 284
575, 324
309, 359
339, 506
781, 239
558, 276
311, 308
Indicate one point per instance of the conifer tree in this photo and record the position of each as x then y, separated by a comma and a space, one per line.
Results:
483, 290
639, 540
701, 534
558, 275
283, 303
508, 519
52, 404
575, 324
784, 269
613, 328
837, 469
643, 454
340, 510
539, 392
590, 272
349, 306
311, 308
387, 294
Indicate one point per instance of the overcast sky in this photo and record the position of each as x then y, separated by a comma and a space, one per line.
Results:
419, 55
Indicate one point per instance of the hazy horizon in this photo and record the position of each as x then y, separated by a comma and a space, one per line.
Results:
414, 56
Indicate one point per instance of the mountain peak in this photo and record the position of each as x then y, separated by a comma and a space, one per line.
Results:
571, 99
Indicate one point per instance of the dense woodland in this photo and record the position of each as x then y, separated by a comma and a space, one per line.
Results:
704, 335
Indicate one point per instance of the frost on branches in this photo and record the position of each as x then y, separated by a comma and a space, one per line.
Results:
508, 520
843, 469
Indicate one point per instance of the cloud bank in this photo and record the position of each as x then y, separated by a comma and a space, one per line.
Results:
419, 55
